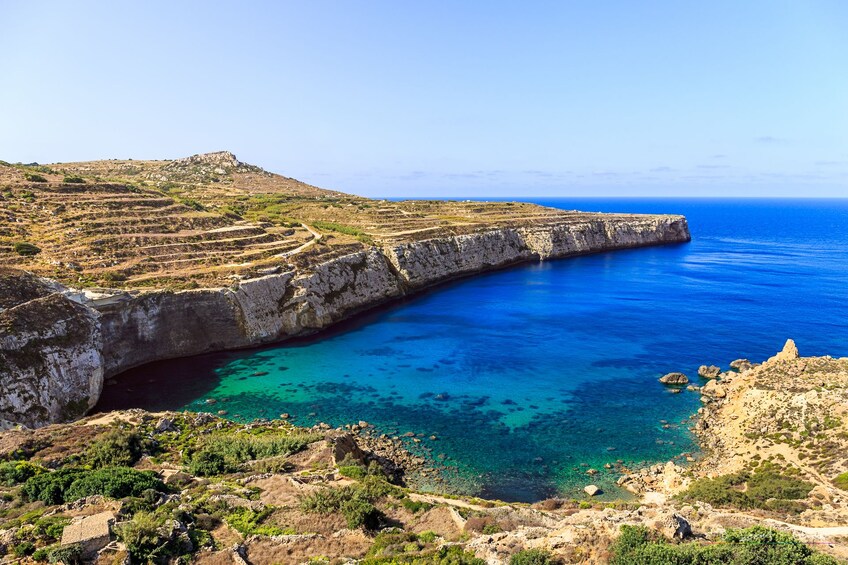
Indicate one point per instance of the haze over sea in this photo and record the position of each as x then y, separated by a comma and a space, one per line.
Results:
532, 375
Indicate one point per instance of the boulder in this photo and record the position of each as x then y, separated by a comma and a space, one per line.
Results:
674, 379
346, 448
741, 365
712, 388
592, 490
709, 372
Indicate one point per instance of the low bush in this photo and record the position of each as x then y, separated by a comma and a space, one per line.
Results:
32, 177
355, 502
73, 180
841, 481
227, 452
16, 472
415, 506
67, 485
250, 522
26, 249
446, 555
750, 546
142, 538
24, 549
70, 554
116, 449
767, 487
532, 557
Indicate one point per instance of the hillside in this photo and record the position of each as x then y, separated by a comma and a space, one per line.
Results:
206, 219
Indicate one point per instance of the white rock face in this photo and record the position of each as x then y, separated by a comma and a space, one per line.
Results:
51, 361
62, 375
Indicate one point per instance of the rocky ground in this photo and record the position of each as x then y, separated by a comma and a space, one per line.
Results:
134, 485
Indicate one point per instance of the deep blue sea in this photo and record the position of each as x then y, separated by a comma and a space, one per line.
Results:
530, 376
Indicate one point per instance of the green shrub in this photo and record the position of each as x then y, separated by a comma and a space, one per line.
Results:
841, 481
532, 557
352, 471
32, 177
446, 555
26, 249
50, 488
250, 522
73, 180
360, 513
767, 487
67, 485
208, 463
226, 452
116, 449
751, 546
49, 528
415, 506
16, 472
142, 538
68, 554
24, 549
355, 502
114, 482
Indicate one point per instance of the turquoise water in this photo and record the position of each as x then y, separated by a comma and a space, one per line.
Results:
530, 376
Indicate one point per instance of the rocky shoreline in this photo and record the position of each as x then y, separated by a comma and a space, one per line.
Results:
782, 420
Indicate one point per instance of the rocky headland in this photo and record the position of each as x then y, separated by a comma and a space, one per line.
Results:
114, 264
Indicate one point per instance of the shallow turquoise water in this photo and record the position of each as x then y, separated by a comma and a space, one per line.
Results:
529, 376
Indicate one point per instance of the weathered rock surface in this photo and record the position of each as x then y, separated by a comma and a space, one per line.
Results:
674, 379
709, 372
51, 362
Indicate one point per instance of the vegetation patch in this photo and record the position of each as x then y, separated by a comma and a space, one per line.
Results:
767, 487
750, 546
26, 249
225, 453
354, 502
70, 484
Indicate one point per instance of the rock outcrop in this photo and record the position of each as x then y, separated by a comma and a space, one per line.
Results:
51, 361
56, 344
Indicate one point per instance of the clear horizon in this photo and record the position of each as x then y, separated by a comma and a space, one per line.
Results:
614, 99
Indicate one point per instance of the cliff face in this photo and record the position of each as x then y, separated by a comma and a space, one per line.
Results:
51, 361
80, 342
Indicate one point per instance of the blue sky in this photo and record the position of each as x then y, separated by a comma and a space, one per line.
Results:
444, 98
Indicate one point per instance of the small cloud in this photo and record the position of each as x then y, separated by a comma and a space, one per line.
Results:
718, 156
413, 175
661, 170
713, 166
829, 163
768, 139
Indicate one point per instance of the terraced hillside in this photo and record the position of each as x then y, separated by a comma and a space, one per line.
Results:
207, 219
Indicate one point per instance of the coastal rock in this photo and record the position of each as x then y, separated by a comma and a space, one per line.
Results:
741, 365
592, 490
788, 353
674, 379
709, 372
51, 365
713, 388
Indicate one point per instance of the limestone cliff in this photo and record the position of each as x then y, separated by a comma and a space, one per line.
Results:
68, 350
51, 361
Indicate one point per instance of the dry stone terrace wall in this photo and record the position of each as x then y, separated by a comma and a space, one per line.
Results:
130, 329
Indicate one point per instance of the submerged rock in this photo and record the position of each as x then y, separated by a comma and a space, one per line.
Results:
674, 379
592, 490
